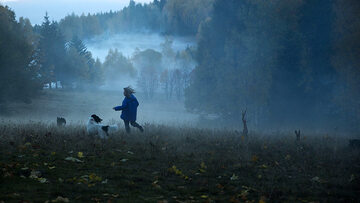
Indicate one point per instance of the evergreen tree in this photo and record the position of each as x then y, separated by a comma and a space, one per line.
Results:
18, 71
346, 60
51, 52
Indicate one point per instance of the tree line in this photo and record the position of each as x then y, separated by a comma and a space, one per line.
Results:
179, 17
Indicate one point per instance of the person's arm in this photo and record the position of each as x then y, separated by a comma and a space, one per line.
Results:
122, 107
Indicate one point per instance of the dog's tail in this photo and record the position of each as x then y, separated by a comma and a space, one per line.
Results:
113, 128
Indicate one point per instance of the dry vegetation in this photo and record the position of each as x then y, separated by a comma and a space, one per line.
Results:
40, 162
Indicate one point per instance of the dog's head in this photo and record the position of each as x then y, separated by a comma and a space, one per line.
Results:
96, 118
60, 121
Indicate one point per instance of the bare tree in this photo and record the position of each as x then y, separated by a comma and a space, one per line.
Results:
148, 81
178, 83
165, 83
245, 129
297, 133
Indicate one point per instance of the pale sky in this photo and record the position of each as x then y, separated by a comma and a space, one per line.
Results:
57, 9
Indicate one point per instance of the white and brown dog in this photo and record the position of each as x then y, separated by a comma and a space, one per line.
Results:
94, 127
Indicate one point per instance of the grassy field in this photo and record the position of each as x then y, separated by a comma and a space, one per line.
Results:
77, 106
40, 162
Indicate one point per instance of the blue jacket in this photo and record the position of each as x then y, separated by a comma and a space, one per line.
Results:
129, 108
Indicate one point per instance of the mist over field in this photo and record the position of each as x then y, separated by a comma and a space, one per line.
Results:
179, 101
77, 107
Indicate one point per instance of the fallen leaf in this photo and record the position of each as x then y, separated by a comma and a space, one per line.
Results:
91, 184
94, 177
254, 158
72, 159
204, 196
42, 180
264, 166
352, 177
80, 155
316, 179
244, 194
262, 199
35, 174
234, 177
202, 165
104, 181
60, 199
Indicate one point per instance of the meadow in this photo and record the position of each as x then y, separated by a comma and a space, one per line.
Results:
41, 162
171, 161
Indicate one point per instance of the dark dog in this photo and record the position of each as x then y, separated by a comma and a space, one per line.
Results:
60, 121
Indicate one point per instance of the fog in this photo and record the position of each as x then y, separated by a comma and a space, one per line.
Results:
127, 43
77, 106
191, 57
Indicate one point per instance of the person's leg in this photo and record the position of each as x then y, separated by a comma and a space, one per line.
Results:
135, 124
127, 126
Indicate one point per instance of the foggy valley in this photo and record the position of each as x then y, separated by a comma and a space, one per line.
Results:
128, 42
179, 101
